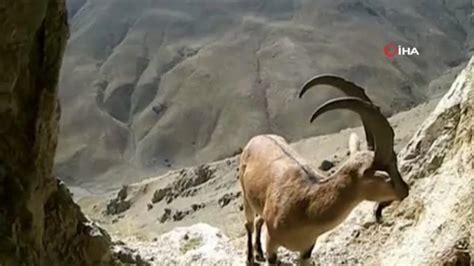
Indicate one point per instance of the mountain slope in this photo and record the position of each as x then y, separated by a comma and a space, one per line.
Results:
149, 86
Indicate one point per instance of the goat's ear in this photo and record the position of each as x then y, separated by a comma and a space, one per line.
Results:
354, 143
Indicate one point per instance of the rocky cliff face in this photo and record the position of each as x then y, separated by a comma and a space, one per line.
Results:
39, 222
160, 85
433, 226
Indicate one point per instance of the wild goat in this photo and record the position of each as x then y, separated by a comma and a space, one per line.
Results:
351, 89
298, 204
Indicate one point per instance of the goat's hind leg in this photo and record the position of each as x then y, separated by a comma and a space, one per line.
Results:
258, 242
249, 227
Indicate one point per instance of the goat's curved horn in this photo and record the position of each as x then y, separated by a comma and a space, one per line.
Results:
345, 86
377, 125
375, 122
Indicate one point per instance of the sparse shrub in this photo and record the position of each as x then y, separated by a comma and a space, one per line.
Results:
165, 216
119, 204
160, 194
190, 244
179, 215
227, 198
116, 206
123, 193
196, 207
203, 173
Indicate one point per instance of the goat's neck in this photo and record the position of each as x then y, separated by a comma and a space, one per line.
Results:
334, 199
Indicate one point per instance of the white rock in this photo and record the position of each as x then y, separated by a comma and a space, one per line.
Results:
199, 244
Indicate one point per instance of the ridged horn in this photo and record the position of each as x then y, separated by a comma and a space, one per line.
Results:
378, 126
345, 86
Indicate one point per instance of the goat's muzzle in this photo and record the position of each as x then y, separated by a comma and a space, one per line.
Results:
400, 186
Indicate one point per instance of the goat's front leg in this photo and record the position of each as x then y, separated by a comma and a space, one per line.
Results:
271, 251
305, 257
378, 210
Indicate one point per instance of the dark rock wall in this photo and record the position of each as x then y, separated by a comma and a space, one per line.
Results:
39, 222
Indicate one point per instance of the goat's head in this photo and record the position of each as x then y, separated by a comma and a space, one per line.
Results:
379, 135
372, 184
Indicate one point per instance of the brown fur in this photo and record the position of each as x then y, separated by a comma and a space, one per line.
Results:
295, 202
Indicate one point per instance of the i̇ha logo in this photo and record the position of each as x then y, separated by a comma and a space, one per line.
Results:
391, 50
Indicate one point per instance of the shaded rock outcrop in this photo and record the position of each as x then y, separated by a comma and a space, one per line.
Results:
39, 222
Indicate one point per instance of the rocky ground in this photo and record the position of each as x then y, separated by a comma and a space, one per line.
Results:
431, 227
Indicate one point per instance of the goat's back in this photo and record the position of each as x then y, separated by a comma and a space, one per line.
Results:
265, 162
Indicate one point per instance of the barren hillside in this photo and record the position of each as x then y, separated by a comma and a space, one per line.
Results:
149, 86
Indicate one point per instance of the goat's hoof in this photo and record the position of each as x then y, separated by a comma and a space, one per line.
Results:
306, 262
278, 263
260, 257
250, 263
